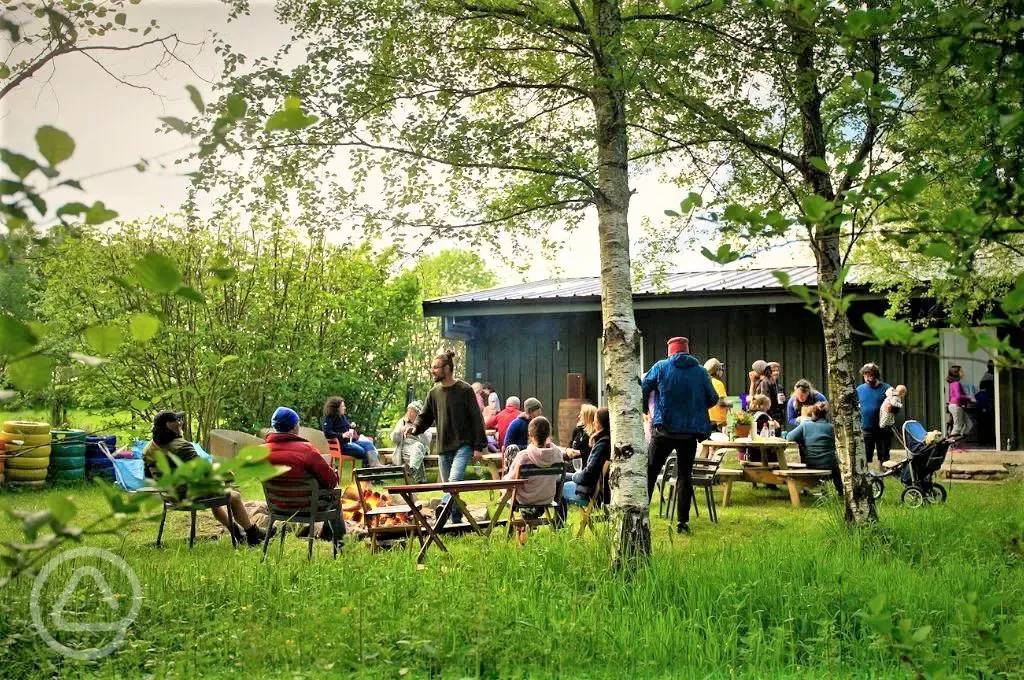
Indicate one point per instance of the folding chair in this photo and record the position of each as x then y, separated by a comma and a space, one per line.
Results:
384, 475
668, 473
299, 500
525, 472
596, 501
339, 459
704, 473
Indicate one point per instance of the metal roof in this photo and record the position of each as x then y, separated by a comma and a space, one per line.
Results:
716, 282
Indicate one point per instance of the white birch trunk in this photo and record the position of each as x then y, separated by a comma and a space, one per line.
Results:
630, 522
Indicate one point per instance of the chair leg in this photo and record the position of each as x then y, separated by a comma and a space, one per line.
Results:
266, 539
693, 500
192, 530
231, 523
312, 537
160, 531
284, 530
710, 500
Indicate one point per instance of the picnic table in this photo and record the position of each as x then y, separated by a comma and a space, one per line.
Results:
454, 489
492, 461
795, 476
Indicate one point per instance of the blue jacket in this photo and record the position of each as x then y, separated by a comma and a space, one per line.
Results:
684, 395
819, 440
517, 433
793, 411
871, 399
586, 479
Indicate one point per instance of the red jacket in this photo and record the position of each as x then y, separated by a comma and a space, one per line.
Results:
501, 420
303, 458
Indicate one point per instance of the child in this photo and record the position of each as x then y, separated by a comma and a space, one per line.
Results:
806, 413
891, 405
538, 491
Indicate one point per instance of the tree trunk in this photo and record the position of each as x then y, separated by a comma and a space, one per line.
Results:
630, 525
860, 506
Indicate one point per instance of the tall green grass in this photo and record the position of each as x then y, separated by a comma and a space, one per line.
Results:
770, 591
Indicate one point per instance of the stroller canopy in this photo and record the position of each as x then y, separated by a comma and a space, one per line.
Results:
915, 435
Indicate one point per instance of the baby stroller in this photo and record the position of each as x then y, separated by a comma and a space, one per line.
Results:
916, 471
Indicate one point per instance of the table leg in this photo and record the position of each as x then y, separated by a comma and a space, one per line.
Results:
432, 535
465, 511
410, 501
727, 494
500, 509
794, 492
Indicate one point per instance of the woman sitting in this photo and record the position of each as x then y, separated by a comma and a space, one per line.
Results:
579, 442
337, 426
817, 437
539, 490
167, 438
803, 395
758, 407
580, 486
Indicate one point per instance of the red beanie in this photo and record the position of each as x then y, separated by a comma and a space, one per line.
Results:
678, 344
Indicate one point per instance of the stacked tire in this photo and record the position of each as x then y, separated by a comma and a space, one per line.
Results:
97, 464
67, 456
26, 463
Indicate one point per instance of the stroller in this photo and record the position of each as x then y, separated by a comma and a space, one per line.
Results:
922, 462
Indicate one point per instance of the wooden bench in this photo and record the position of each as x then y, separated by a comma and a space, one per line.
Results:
802, 479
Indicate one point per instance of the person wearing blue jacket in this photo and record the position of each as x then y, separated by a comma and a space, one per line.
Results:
683, 394
804, 394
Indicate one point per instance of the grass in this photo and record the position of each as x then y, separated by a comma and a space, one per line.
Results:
771, 591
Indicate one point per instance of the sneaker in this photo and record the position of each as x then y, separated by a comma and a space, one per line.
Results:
683, 528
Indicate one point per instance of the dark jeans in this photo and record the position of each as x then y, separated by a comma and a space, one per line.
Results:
880, 439
685, 445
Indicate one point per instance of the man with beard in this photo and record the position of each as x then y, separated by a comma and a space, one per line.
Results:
451, 405
871, 394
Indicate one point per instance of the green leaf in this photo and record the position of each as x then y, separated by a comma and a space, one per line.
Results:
818, 163
5, 71
672, 213
20, 165
104, 340
197, 101
224, 273
157, 273
735, 213
140, 404
236, 106
941, 250
815, 207
176, 124
227, 359
61, 509
120, 18
74, 208
144, 327
693, 200
1013, 301
55, 145
865, 79
99, 213
73, 183
290, 117
921, 634
914, 186
190, 294
674, 6
15, 337
31, 374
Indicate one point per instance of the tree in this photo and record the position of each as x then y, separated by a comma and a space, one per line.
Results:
525, 109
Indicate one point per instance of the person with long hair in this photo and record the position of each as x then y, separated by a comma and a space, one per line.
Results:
336, 425
770, 385
804, 394
580, 486
579, 441
167, 438
452, 405
818, 438
538, 490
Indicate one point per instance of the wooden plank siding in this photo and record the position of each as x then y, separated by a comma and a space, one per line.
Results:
528, 355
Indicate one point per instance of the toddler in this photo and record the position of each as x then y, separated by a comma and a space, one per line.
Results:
891, 405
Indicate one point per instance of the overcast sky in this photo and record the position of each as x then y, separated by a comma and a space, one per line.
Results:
115, 125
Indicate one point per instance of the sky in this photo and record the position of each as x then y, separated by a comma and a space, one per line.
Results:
115, 125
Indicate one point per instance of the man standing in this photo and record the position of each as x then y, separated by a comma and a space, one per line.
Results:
871, 395
451, 404
684, 394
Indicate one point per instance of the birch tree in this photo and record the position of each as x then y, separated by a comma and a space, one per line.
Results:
527, 112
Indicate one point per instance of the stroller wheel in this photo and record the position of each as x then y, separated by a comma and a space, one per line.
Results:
912, 497
937, 494
877, 487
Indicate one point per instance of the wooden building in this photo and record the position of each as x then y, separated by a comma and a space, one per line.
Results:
525, 339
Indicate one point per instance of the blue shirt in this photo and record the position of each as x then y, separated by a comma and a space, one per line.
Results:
871, 399
793, 409
517, 433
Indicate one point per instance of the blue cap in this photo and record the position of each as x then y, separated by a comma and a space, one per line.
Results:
284, 419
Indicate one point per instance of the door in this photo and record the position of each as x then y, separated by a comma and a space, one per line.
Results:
984, 413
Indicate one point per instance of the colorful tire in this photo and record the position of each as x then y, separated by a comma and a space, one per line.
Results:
68, 451
76, 475
28, 451
67, 463
15, 475
69, 436
26, 463
26, 439
26, 427
39, 484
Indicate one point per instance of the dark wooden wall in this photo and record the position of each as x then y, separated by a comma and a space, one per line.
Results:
529, 355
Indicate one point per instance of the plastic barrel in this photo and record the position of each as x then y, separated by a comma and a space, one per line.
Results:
96, 464
67, 459
26, 463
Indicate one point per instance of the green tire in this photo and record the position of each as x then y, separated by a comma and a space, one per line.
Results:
14, 475
25, 463
67, 463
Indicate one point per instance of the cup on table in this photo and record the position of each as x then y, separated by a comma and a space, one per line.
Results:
782, 398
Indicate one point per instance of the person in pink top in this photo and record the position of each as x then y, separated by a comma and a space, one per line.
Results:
958, 401
542, 453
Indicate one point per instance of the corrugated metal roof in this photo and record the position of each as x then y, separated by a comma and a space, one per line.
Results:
722, 281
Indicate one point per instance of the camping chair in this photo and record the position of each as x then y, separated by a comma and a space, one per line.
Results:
668, 473
525, 472
388, 474
596, 500
129, 474
670, 485
340, 458
299, 500
704, 473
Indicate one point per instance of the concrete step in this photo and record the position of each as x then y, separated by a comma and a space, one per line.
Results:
975, 471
